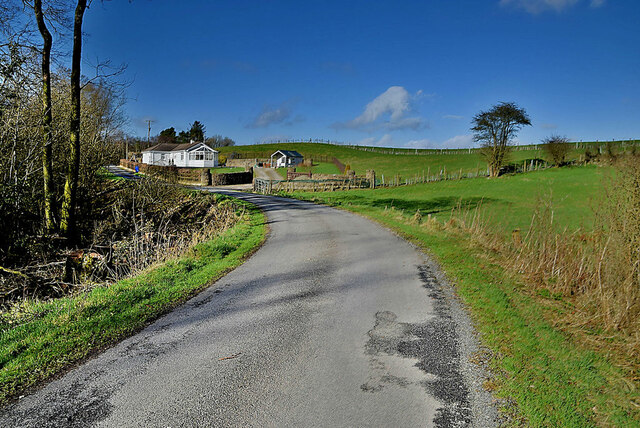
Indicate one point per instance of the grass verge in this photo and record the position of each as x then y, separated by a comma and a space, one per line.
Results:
554, 380
55, 334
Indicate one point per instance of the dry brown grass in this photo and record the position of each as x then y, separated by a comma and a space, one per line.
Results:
591, 279
159, 222
134, 226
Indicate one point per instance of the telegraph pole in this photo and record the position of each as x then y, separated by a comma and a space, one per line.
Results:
149, 129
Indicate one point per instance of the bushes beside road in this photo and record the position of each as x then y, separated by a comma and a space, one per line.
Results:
38, 339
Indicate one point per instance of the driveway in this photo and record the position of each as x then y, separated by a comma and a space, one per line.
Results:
267, 173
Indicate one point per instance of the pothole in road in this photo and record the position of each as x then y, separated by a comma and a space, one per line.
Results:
432, 347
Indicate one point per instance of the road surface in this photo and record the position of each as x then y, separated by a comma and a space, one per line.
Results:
334, 322
122, 172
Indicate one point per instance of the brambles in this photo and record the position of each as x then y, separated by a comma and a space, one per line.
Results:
598, 270
557, 148
131, 226
590, 156
619, 222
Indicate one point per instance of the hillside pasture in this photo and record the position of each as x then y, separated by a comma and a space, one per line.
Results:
408, 163
507, 202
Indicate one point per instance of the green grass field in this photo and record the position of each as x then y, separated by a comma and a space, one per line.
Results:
554, 379
45, 337
508, 201
406, 165
317, 168
320, 168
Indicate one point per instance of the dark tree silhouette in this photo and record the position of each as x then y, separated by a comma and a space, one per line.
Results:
67, 214
557, 148
196, 133
47, 117
167, 135
495, 129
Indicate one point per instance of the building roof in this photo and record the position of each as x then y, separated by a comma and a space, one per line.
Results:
290, 153
173, 147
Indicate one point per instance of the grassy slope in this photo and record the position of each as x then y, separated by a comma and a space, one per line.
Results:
508, 201
317, 168
320, 168
59, 332
385, 164
554, 381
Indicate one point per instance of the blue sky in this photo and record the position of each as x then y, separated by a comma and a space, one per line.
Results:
391, 73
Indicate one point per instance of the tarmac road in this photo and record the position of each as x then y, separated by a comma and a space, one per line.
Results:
334, 322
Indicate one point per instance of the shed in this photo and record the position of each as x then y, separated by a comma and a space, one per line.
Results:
286, 158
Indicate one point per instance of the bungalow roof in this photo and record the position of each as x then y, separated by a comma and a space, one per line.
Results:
289, 153
173, 147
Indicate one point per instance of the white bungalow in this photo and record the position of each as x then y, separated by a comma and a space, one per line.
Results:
285, 158
188, 155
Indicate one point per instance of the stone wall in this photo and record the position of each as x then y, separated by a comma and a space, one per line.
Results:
245, 163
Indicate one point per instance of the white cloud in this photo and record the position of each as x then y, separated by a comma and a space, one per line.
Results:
458, 142
385, 141
423, 143
597, 3
452, 116
414, 123
394, 104
272, 115
394, 100
539, 6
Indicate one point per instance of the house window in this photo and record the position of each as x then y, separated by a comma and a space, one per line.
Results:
196, 156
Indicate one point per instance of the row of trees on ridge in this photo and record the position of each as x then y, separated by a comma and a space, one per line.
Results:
196, 133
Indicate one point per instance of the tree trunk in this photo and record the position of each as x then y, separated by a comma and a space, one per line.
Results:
47, 163
67, 216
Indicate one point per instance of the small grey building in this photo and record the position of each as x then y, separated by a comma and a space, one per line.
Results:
286, 158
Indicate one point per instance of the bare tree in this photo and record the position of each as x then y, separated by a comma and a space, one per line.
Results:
67, 214
47, 163
557, 148
219, 141
495, 130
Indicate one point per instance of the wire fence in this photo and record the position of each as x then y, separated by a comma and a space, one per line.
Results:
294, 181
264, 186
600, 146
442, 174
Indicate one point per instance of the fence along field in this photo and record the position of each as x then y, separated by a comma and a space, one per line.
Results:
404, 165
373, 179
